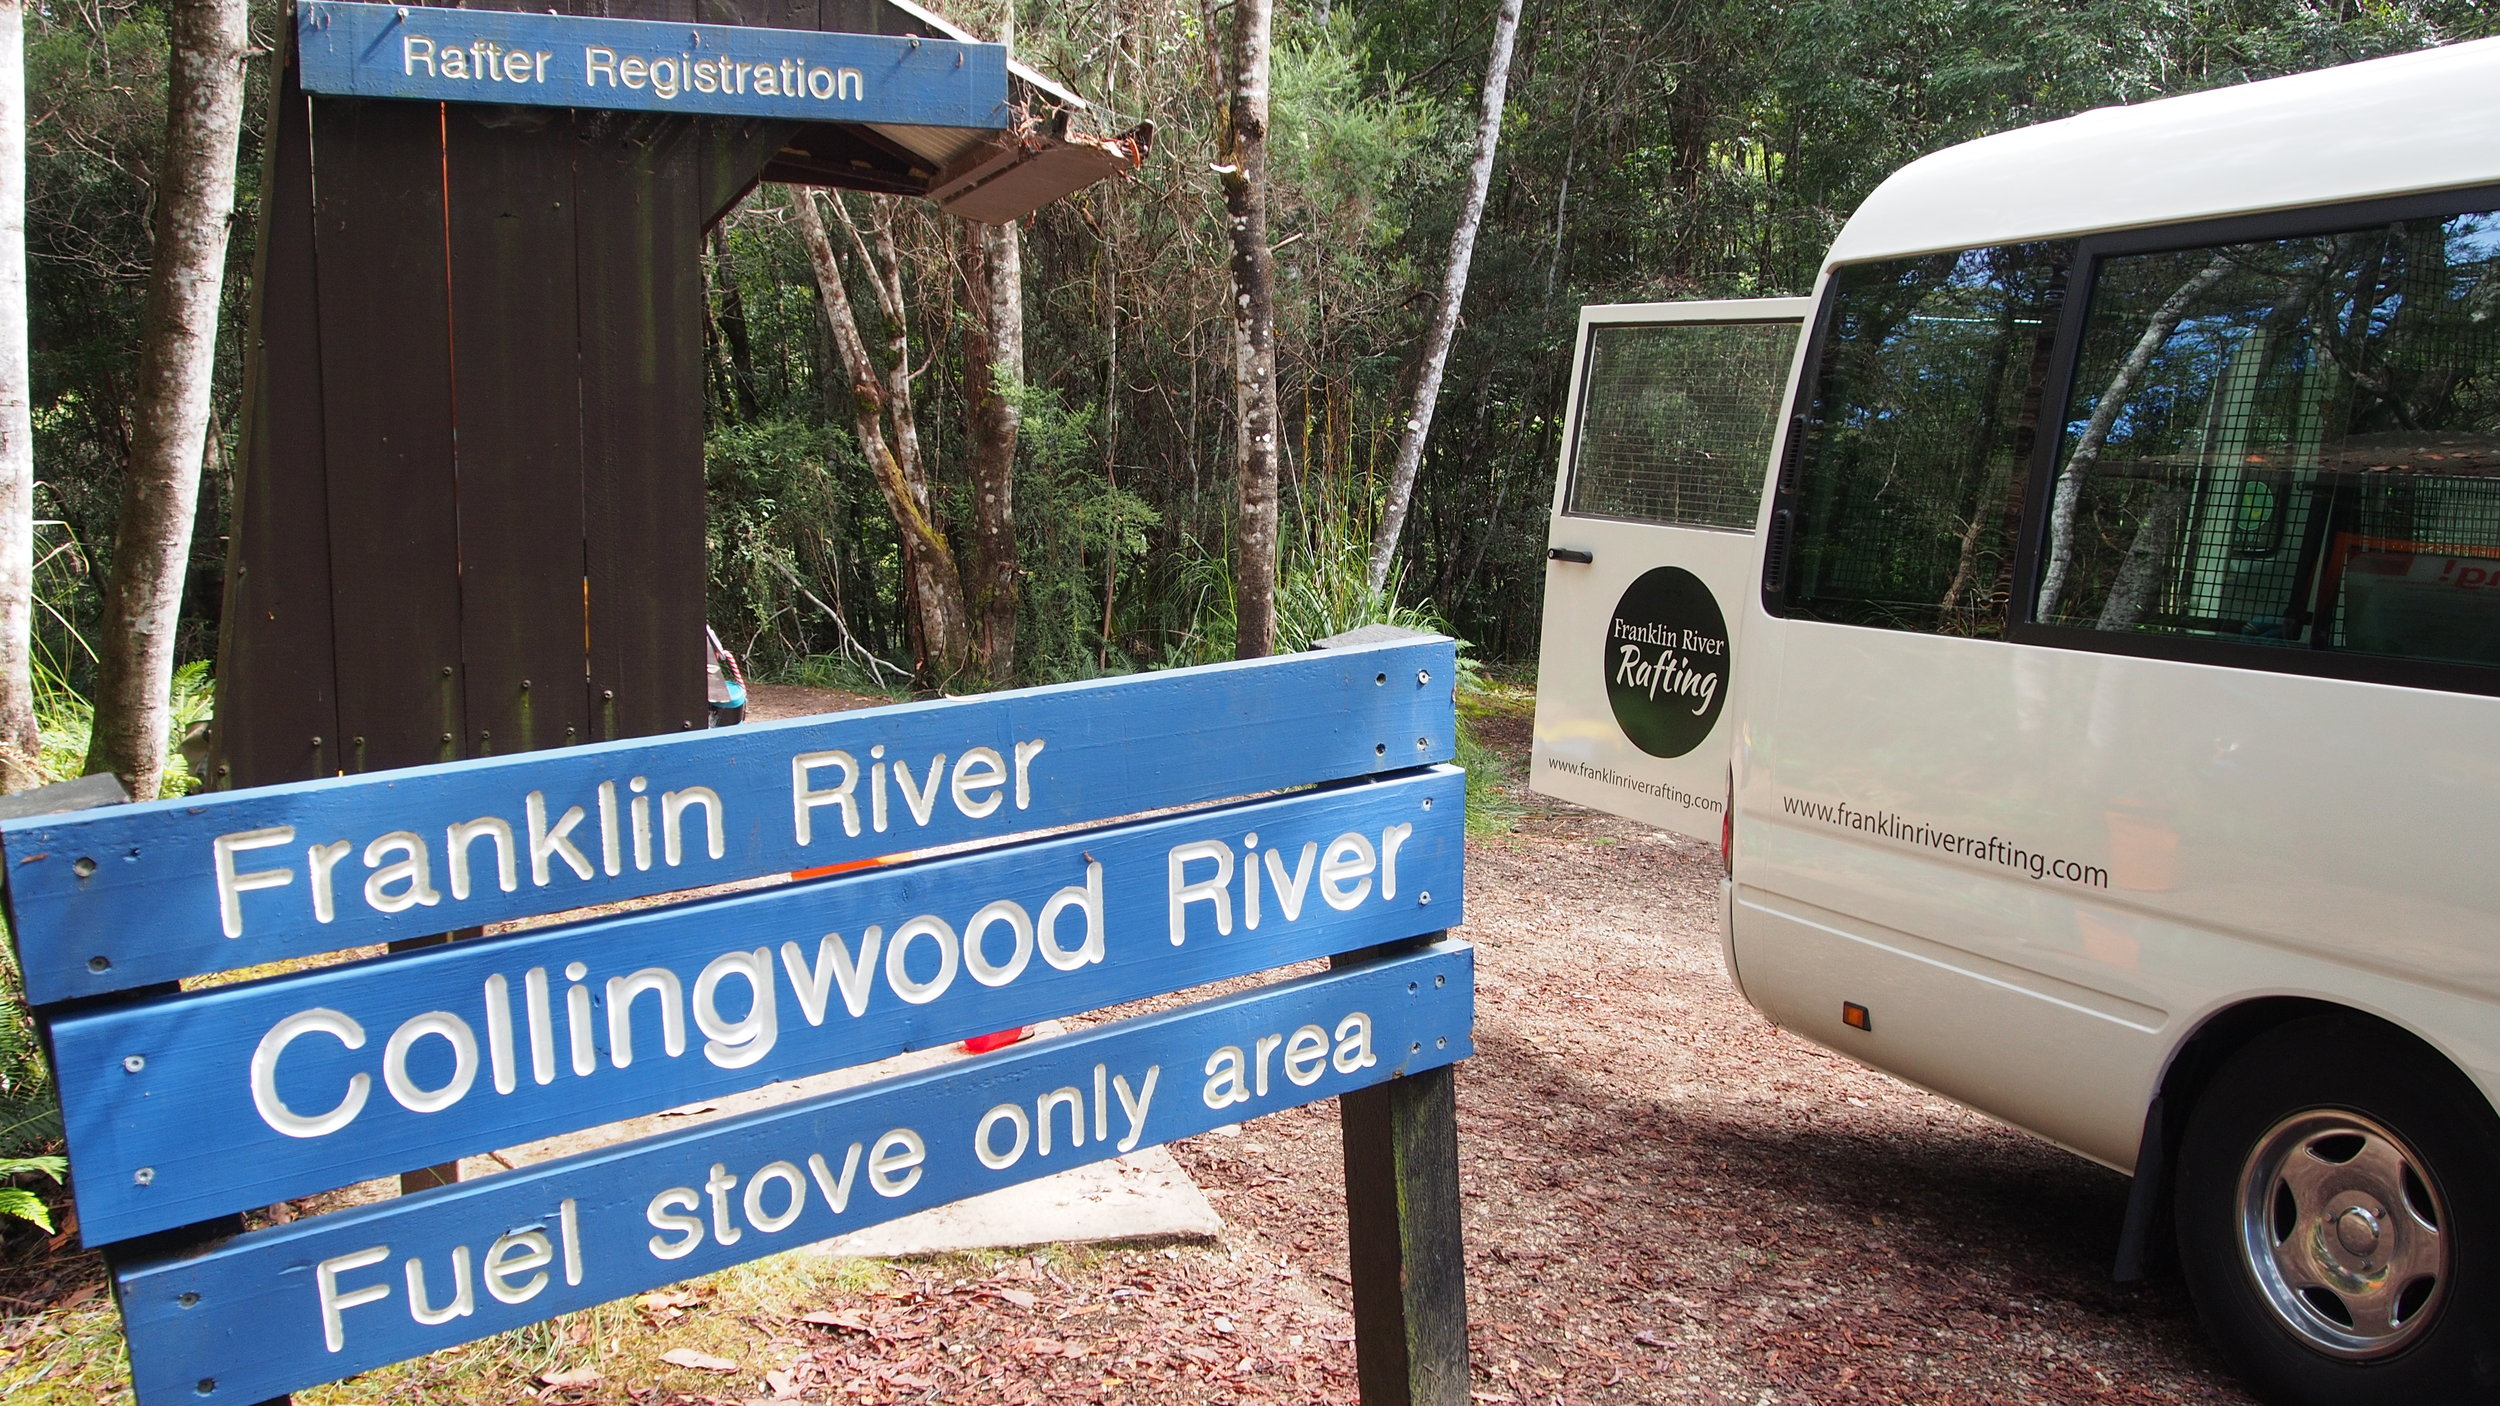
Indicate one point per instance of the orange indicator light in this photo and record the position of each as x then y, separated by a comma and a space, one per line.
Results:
1855, 1017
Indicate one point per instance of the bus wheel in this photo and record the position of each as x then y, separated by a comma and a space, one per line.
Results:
2338, 1217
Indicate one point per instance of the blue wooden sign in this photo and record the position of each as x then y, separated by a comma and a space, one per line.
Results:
131, 895
192, 1105
547, 60
933, 871
323, 1298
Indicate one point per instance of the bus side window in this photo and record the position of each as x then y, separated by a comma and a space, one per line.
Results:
1906, 497
2288, 443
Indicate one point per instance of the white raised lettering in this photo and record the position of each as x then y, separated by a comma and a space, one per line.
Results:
333, 1303
662, 1219
1026, 751
897, 973
837, 1190
1019, 926
1087, 900
673, 807
804, 798
231, 886
978, 769
319, 862
1074, 1100
622, 990
1349, 859
1211, 891
546, 844
1136, 1104
273, 1109
395, 1077
898, 1152
834, 966
991, 1158
521, 1252
735, 1044
457, 838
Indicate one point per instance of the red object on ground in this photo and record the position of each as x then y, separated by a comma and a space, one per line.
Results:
983, 1044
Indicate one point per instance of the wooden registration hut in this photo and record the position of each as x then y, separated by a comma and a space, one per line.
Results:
469, 512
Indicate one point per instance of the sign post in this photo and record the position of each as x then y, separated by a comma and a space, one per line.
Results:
1098, 850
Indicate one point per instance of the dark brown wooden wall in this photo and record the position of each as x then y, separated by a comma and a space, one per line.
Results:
469, 514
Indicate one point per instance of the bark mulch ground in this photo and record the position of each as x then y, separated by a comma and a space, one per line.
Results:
1667, 1200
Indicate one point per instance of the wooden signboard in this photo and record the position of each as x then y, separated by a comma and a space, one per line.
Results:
1100, 843
554, 60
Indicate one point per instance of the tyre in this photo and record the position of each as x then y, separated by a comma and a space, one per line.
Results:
2338, 1219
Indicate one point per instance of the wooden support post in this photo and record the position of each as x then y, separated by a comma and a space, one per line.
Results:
1402, 1234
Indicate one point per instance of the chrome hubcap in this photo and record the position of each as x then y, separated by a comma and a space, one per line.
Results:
2343, 1232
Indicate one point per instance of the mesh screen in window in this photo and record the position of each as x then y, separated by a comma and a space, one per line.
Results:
1907, 498
2291, 443
1676, 421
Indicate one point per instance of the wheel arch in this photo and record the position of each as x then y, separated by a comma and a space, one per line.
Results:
2191, 1068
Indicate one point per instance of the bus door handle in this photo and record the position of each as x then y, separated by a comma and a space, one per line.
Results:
1568, 554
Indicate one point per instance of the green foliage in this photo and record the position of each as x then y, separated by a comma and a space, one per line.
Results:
1077, 532
1346, 148
30, 1111
1322, 586
791, 514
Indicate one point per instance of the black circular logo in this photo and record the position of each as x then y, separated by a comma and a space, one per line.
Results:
1666, 662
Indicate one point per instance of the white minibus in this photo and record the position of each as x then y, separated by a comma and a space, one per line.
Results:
2095, 681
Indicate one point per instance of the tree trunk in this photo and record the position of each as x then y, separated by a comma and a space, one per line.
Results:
733, 326
1244, 175
2067, 497
993, 266
1436, 356
170, 406
18, 740
2141, 572
933, 583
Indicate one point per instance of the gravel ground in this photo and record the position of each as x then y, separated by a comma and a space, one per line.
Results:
1667, 1201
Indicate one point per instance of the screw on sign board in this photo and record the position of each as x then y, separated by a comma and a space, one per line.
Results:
1099, 843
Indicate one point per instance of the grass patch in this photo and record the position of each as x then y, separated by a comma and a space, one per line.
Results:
1487, 702
72, 1353
739, 1314
65, 1354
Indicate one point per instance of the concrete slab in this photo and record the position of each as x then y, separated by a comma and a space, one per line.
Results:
1143, 1198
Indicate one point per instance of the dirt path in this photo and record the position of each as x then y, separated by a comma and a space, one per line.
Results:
1667, 1201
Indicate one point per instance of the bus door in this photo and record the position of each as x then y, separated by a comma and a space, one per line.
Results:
1666, 444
